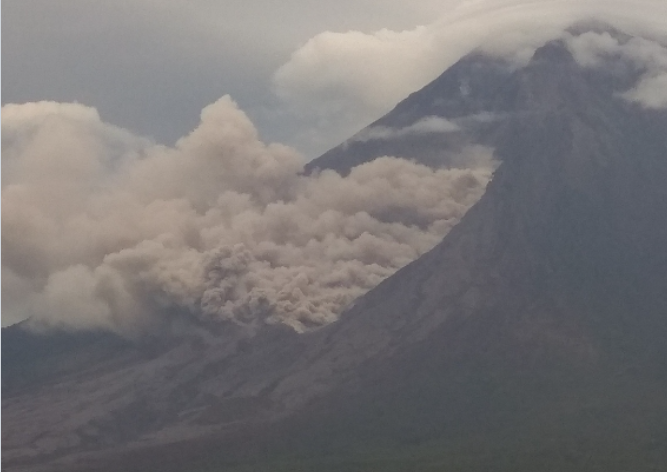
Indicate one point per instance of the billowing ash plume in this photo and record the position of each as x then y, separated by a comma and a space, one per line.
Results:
105, 230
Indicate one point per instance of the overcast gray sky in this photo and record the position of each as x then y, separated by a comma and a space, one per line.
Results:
151, 66
308, 73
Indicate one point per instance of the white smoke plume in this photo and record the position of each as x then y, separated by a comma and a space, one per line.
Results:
104, 230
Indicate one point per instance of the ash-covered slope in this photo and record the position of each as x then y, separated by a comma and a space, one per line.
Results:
531, 338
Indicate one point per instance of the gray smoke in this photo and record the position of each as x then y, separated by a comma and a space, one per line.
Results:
105, 230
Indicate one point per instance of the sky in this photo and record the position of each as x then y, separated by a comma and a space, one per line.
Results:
309, 74
152, 150
151, 66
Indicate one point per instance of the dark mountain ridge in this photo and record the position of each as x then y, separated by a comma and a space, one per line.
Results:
477, 95
531, 338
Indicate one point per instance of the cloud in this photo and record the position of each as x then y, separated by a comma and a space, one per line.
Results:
105, 230
428, 125
150, 49
372, 68
649, 57
165, 60
650, 92
344, 80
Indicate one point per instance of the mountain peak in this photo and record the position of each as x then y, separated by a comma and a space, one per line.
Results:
554, 54
478, 94
548, 297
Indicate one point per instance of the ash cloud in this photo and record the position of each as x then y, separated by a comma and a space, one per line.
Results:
105, 230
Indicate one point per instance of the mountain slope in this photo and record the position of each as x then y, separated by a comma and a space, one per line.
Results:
575, 215
531, 338
468, 105
538, 322
463, 107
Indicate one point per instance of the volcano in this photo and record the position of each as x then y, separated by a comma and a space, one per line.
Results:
531, 338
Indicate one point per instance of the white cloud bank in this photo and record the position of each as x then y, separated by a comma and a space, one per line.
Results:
104, 230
